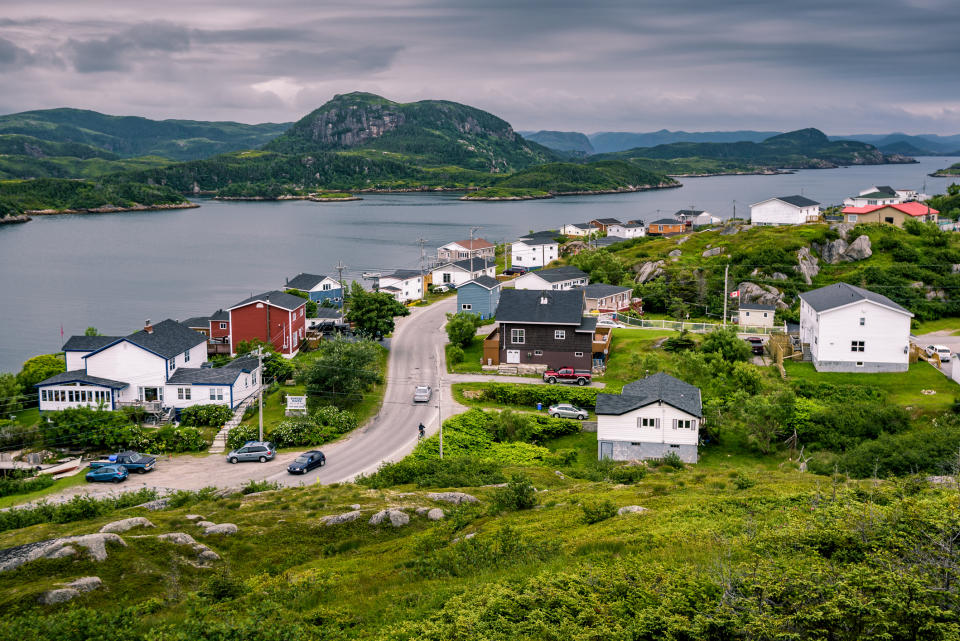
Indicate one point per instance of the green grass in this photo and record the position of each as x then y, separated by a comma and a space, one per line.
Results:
950, 324
472, 356
518, 193
458, 390
900, 388
58, 486
621, 368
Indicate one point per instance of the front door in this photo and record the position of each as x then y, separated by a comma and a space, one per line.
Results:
606, 450
513, 356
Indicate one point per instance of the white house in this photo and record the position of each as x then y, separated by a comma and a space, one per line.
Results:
784, 210
879, 195
460, 249
601, 297
697, 217
535, 250
162, 367
578, 229
632, 229
404, 284
756, 315
650, 419
849, 329
463, 271
559, 278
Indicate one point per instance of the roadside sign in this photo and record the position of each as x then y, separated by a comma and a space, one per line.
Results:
296, 405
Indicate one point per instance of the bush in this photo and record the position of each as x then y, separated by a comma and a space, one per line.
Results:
448, 472
742, 482
930, 450
240, 434
253, 487
21, 482
221, 586
90, 428
519, 494
596, 511
170, 439
455, 354
672, 460
206, 415
530, 395
79, 508
461, 328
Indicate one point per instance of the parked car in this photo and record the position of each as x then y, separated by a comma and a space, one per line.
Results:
568, 375
131, 461
108, 474
756, 344
262, 451
607, 322
422, 393
940, 350
439, 289
566, 410
306, 462
515, 271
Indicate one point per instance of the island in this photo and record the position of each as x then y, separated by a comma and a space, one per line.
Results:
952, 170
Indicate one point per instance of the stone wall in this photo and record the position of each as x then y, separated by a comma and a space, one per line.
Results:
867, 368
627, 451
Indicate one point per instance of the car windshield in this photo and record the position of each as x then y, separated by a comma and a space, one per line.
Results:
302, 459
422, 388
133, 458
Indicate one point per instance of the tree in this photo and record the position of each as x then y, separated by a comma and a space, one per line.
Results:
727, 344
311, 309
9, 395
39, 368
373, 313
462, 327
342, 371
601, 266
766, 419
91, 331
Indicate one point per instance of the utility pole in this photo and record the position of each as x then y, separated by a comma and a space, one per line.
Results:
343, 288
423, 288
439, 414
473, 230
726, 272
260, 399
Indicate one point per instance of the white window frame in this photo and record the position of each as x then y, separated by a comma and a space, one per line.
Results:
858, 346
518, 336
186, 356
223, 325
578, 354
559, 334
184, 394
647, 422
466, 307
538, 352
172, 363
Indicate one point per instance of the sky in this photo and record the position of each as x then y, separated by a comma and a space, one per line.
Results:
847, 66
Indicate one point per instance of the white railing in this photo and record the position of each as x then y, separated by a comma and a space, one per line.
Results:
632, 322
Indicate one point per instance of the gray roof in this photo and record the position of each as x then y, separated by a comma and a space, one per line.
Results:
607, 221
305, 282
559, 274
225, 375
609, 240
277, 298
689, 212
876, 194
666, 221
478, 264
80, 376
167, 339
602, 290
658, 387
633, 224
798, 201
581, 225
757, 307
197, 321
840, 294
587, 324
483, 281
403, 274
886, 189
87, 343
390, 288
540, 238
524, 306
220, 315
328, 312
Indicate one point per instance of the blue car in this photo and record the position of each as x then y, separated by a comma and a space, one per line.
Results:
108, 474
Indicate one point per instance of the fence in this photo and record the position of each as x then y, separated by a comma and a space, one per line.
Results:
690, 326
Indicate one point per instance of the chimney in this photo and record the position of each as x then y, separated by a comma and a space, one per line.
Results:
147, 327
544, 300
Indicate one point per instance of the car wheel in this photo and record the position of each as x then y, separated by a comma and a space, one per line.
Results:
554, 415
551, 380
582, 417
234, 460
263, 459
581, 382
117, 480
141, 471
323, 462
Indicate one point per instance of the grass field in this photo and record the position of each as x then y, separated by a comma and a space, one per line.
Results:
472, 356
621, 366
58, 486
949, 324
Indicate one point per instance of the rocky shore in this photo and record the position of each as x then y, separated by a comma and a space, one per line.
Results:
13, 220
110, 209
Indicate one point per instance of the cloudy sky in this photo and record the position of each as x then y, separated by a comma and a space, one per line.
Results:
845, 66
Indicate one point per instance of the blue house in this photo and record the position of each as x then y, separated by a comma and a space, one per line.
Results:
318, 287
479, 296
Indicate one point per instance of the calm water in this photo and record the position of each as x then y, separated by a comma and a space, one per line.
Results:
113, 271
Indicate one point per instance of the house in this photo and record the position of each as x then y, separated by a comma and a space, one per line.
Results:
784, 210
600, 297
544, 328
632, 229
849, 329
665, 226
162, 368
459, 272
318, 287
460, 249
882, 195
697, 218
404, 284
219, 342
535, 250
565, 277
603, 223
650, 419
274, 317
756, 315
895, 214
578, 229
200, 324
607, 241
479, 296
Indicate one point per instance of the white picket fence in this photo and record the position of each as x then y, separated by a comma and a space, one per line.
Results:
632, 322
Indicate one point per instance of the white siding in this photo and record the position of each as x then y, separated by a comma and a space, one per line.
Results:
621, 231
523, 255
75, 360
62, 395
410, 288
625, 427
778, 212
532, 280
885, 333
132, 365
456, 276
573, 230
756, 318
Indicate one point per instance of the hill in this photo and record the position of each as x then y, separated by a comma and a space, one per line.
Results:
58, 195
609, 141
562, 141
129, 136
952, 170
24, 157
929, 144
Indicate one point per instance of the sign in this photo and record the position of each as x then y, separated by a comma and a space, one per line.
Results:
296, 405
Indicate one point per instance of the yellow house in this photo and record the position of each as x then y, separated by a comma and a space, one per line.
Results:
893, 214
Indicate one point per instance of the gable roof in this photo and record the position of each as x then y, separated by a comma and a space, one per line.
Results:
602, 290
666, 221
580, 225
689, 212
558, 274
80, 376
88, 343
796, 201
225, 375
658, 387
606, 241
276, 298
476, 243
305, 282
843, 294
220, 315
757, 307
197, 321
483, 281
539, 238
478, 264
886, 189
402, 274
877, 194
167, 339
912, 208
605, 221
524, 306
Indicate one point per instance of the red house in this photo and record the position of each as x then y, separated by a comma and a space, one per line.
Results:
274, 317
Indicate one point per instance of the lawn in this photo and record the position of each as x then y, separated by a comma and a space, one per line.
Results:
458, 390
901, 388
623, 366
62, 484
950, 324
472, 358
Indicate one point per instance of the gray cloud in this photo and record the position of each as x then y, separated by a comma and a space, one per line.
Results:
91, 56
11, 54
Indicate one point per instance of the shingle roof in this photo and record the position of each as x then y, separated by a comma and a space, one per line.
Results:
524, 306
277, 298
328, 312
581, 225
606, 221
658, 387
87, 343
758, 307
390, 288
602, 290
666, 221
606, 241
587, 324
876, 194
840, 294
476, 243
539, 238
403, 274
798, 201
689, 212
912, 208
197, 321
225, 375
220, 315
886, 189
80, 376
167, 339
478, 264
305, 282
560, 274
483, 281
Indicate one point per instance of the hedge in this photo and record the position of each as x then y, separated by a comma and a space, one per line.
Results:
530, 395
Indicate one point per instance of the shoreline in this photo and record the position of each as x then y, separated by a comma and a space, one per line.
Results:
588, 192
14, 220
317, 199
110, 209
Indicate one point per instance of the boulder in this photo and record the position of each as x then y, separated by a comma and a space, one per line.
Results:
204, 553
222, 528
779, 276
859, 249
676, 253
842, 228
337, 519
631, 509
60, 595
832, 252
422, 511
955, 268
763, 294
355, 506
435, 514
156, 504
452, 497
729, 230
714, 251
648, 270
85, 583
95, 544
396, 517
682, 240
204, 524
807, 264
193, 517
126, 524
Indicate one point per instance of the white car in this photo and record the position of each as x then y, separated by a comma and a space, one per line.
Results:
940, 350
422, 394
607, 322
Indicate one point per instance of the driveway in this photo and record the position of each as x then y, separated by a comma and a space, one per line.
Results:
944, 338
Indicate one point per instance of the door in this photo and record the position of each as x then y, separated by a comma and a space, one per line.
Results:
513, 356
606, 450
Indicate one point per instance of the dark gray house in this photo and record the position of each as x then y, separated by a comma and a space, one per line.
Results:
545, 328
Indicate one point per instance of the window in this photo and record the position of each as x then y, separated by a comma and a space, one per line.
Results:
447, 277
646, 422
559, 334
216, 393
856, 346
578, 354
863, 321
43, 395
538, 352
683, 424
765, 314
859, 363
183, 393
223, 325
186, 356
172, 364
326, 287
518, 336
466, 307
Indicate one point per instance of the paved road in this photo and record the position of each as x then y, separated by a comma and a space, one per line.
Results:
944, 337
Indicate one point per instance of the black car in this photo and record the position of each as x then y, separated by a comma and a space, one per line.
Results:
756, 345
306, 462
515, 271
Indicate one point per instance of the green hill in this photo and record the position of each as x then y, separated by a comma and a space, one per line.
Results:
562, 141
607, 175
19, 196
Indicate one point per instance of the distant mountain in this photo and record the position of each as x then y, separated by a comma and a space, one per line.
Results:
925, 144
431, 133
609, 141
28, 157
129, 136
562, 141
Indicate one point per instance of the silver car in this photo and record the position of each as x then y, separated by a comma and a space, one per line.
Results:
565, 410
422, 394
262, 451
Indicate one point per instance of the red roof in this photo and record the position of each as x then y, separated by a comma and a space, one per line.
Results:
911, 209
477, 243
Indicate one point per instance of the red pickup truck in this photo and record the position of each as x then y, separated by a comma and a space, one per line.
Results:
568, 375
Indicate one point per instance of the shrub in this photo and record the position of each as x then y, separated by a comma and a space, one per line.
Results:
208, 415
221, 586
21, 482
461, 328
90, 428
530, 395
240, 434
596, 511
742, 482
448, 472
627, 474
672, 460
455, 354
338, 421
252, 486
519, 494
175, 439
78, 508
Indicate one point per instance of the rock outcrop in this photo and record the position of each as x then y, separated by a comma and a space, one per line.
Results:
763, 294
156, 504
842, 228
631, 509
713, 251
337, 519
95, 544
452, 497
436, 514
648, 271
839, 251
126, 524
397, 518
70, 590
807, 264
859, 249
204, 554
221, 528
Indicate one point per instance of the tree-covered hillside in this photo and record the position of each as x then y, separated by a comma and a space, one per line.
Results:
19, 196
563, 141
593, 176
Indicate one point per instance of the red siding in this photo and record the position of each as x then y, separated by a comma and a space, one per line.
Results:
216, 332
250, 322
